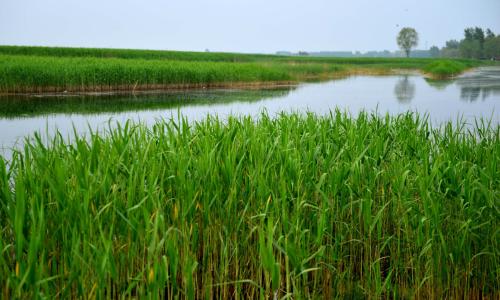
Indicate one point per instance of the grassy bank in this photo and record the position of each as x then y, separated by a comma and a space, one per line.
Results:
445, 69
299, 206
45, 69
58, 74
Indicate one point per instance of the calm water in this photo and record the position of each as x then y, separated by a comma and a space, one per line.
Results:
475, 94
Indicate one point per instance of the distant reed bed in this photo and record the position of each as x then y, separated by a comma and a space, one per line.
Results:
58, 74
52, 69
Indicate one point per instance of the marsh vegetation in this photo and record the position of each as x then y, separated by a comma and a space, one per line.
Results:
43, 69
288, 205
301, 206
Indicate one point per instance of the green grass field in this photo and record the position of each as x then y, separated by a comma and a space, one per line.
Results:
44, 69
293, 206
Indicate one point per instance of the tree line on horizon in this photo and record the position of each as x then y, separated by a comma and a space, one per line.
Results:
476, 44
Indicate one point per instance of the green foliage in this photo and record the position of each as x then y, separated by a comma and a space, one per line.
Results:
470, 49
452, 44
407, 39
451, 49
489, 34
434, 51
295, 206
492, 47
476, 45
474, 34
445, 68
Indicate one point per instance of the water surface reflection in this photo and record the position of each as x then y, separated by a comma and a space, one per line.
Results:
404, 90
482, 86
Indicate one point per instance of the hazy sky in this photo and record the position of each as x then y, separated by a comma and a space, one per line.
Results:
240, 25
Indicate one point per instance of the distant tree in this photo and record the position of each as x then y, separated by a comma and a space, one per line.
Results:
470, 49
407, 39
492, 47
469, 33
472, 46
451, 49
434, 51
478, 35
489, 34
452, 44
477, 44
451, 53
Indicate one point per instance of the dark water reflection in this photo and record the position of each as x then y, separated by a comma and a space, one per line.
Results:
477, 85
480, 87
404, 89
31, 106
474, 95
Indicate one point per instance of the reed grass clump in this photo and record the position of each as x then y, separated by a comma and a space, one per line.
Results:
446, 68
296, 206
27, 74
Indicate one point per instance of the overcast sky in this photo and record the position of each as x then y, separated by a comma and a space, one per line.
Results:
263, 26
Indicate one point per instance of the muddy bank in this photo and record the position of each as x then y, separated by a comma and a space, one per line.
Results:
145, 88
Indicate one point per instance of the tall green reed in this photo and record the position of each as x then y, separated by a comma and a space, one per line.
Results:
296, 206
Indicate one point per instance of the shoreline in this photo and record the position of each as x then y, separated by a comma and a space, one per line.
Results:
152, 89
165, 88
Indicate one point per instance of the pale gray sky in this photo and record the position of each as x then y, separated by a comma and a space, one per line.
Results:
240, 25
